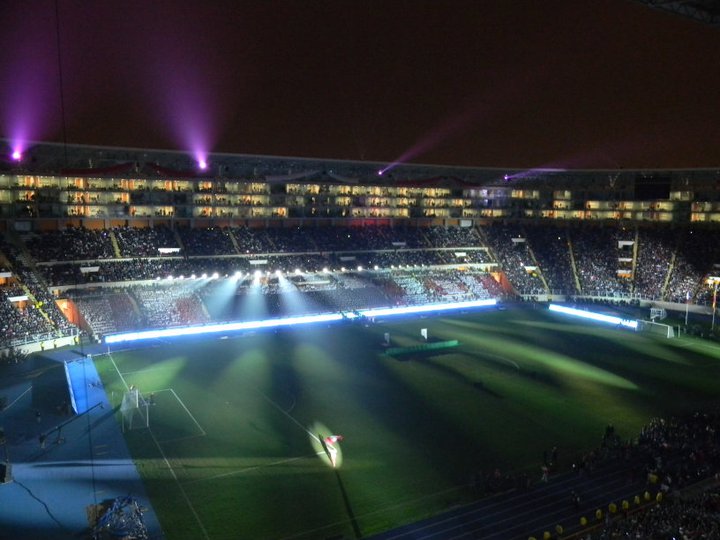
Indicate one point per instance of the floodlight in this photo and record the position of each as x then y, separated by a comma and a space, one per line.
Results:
215, 275
297, 271
258, 273
359, 268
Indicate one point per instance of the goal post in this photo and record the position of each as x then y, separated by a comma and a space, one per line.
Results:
134, 410
659, 329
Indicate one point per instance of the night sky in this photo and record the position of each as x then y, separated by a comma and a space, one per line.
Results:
506, 83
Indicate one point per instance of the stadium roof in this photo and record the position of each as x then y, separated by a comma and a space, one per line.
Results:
43, 158
704, 11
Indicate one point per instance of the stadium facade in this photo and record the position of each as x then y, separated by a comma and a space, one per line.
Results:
54, 185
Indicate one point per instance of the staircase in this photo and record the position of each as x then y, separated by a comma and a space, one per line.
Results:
234, 241
572, 262
536, 264
115, 245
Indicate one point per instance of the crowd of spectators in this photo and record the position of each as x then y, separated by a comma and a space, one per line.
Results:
163, 306
672, 454
695, 518
695, 258
71, 244
144, 242
654, 256
19, 322
211, 241
550, 246
39, 315
597, 253
108, 311
510, 245
536, 260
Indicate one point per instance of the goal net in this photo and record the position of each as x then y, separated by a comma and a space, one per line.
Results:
660, 329
134, 410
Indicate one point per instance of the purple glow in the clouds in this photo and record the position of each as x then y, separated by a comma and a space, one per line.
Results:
450, 127
29, 104
183, 90
530, 173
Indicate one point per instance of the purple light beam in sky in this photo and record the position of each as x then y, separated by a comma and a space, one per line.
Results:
29, 85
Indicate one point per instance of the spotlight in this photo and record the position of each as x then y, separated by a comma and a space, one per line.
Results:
215, 275
380, 172
192, 276
258, 273
376, 267
204, 276
278, 273
326, 271
16, 155
359, 268
202, 164
297, 271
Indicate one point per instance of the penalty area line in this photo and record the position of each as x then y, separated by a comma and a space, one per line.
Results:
254, 468
118, 371
167, 462
189, 413
17, 398
291, 417
180, 487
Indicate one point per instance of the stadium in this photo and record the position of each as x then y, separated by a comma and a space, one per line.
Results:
218, 345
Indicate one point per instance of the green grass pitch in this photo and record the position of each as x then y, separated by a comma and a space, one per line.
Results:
230, 450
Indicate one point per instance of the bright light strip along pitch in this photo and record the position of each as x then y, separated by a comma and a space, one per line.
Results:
428, 308
599, 317
290, 321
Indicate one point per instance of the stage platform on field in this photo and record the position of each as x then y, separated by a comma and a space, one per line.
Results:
84, 463
422, 348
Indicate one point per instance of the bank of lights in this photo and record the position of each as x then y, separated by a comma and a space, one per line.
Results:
598, 317
292, 321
